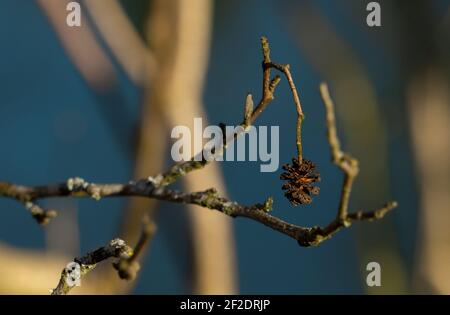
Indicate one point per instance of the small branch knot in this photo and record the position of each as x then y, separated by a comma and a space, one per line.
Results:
76, 184
41, 215
127, 269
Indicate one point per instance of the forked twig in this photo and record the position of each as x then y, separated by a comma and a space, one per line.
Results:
126, 264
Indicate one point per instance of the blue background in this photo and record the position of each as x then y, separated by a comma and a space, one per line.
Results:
43, 96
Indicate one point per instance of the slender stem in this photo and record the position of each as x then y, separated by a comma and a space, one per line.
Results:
127, 265
333, 140
148, 231
116, 248
286, 69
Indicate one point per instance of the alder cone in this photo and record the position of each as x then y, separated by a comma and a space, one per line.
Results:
300, 178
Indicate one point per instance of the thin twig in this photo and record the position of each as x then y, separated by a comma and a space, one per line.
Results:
248, 111
116, 248
286, 69
129, 267
126, 264
345, 162
333, 140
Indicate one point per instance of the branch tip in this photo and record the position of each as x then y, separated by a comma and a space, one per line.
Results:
265, 49
274, 83
248, 110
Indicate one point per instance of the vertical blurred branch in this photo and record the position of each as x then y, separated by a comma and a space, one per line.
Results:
66, 225
179, 32
123, 40
138, 61
92, 62
153, 133
429, 110
179, 35
424, 57
80, 45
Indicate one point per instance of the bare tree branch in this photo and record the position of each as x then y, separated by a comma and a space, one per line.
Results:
156, 187
207, 199
126, 264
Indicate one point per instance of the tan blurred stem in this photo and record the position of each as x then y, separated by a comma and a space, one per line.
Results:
169, 21
89, 58
95, 67
177, 33
136, 59
80, 45
365, 129
153, 134
62, 236
180, 39
188, 26
428, 98
141, 65
122, 38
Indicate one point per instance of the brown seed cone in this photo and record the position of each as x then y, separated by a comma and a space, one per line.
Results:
300, 181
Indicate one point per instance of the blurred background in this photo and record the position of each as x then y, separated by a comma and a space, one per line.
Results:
99, 102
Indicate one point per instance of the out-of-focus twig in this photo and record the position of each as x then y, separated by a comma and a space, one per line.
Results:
80, 45
129, 267
128, 47
179, 34
428, 97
